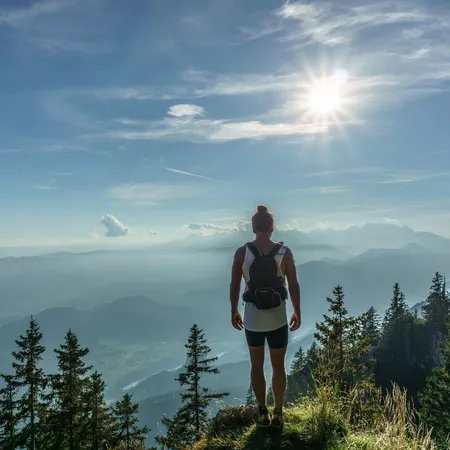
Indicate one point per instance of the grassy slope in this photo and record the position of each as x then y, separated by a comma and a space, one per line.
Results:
301, 431
320, 424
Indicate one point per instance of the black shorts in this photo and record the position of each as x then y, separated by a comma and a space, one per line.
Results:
276, 338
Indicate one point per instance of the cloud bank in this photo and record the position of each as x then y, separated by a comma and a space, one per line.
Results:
211, 228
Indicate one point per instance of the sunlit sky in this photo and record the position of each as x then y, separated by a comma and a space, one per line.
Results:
178, 117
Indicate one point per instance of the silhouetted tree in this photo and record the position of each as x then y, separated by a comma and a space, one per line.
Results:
126, 426
67, 414
190, 421
29, 379
402, 346
8, 417
436, 309
312, 355
373, 325
299, 379
345, 345
435, 399
436, 312
397, 309
298, 361
250, 398
98, 422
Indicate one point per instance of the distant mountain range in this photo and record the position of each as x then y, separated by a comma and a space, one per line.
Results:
105, 296
379, 235
166, 272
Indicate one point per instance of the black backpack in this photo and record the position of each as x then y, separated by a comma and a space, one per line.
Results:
265, 288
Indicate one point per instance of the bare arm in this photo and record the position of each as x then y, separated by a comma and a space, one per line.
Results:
293, 284
236, 277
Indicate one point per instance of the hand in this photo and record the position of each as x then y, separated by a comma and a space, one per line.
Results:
236, 320
295, 322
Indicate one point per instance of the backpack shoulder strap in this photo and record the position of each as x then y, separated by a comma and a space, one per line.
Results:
276, 248
252, 247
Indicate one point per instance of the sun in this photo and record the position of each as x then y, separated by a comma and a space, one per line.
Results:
325, 95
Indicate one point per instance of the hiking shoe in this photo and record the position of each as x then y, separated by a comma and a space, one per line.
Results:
263, 420
277, 419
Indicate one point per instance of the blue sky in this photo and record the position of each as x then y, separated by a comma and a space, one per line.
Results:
179, 117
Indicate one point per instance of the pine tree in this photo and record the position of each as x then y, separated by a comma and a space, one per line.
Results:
196, 398
436, 312
394, 352
126, 428
435, 399
29, 378
250, 398
8, 420
432, 309
359, 339
98, 421
313, 356
398, 355
299, 379
191, 419
298, 361
331, 334
373, 325
68, 389
397, 309
345, 346
177, 434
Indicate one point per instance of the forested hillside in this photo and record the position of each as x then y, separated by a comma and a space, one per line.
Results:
344, 390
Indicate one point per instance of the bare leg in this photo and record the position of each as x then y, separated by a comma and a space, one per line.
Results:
277, 358
257, 374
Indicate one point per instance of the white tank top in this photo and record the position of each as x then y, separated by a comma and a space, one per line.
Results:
258, 319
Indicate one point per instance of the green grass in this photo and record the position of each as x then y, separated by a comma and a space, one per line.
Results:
319, 424
304, 428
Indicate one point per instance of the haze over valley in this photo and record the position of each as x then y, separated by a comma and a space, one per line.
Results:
133, 308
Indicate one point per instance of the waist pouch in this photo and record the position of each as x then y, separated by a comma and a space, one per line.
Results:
265, 297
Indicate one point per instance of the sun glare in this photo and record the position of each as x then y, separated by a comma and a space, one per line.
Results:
325, 95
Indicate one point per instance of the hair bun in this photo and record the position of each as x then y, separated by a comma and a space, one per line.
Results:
262, 209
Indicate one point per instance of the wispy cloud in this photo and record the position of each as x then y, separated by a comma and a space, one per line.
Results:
324, 190
349, 170
415, 62
58, 106
54, 25
18, 17
193, 129
411, 178
199, 84
45, 187
152, 194
330, 24
189, 174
